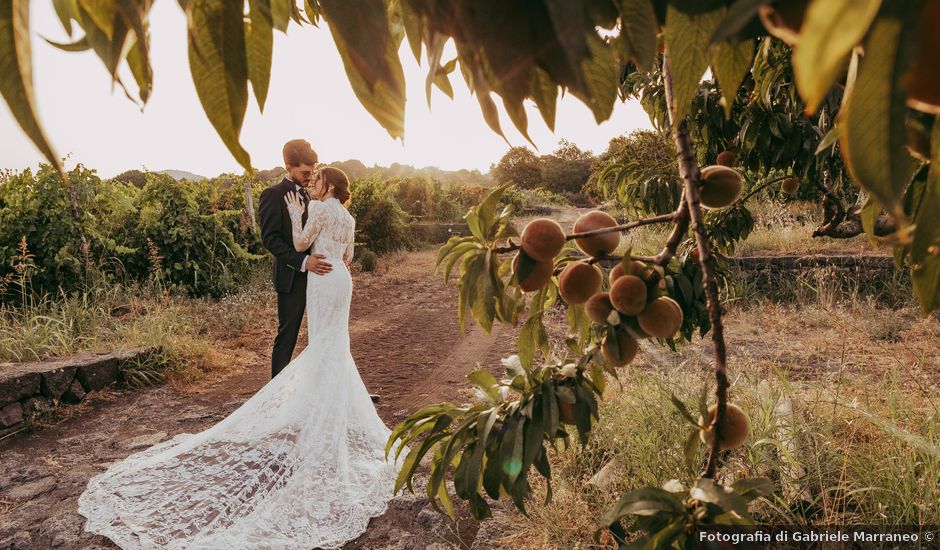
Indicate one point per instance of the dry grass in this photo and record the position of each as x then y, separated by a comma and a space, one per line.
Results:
863, 382
106, 319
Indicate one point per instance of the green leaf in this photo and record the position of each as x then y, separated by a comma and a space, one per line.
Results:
683, 410
706, 490
16, 74
219, 67
486, 382
739, 15
545, 94
731, 63
874, 138
831, 28
139, 63
602, 76
925, 248
370, 55
66, 10
312, 11
280, 13
687, 39
639, 27
645, 501
414, 28
829, 139
870, 212
753, 487
260, 39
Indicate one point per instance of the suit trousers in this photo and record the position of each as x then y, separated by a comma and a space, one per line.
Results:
290, 314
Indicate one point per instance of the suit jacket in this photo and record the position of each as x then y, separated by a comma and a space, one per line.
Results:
276, 235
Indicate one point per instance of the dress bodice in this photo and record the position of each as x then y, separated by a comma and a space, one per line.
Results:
330, 227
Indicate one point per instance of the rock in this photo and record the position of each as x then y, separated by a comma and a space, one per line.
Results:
31, 489
608, 475
99, 374
15, 385
11, 415
37, 405
74, 394
145, 440
57, 381
63, 529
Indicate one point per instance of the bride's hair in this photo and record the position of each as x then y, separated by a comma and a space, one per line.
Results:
336, 181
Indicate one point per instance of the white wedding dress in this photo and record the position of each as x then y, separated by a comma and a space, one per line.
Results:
299, 465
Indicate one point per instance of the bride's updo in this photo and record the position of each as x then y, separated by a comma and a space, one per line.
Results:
337, 182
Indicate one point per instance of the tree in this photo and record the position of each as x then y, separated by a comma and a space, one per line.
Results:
136, 178
567, 169
520, 166
891, 53
638, 171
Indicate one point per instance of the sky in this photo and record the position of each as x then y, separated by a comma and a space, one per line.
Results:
310, 97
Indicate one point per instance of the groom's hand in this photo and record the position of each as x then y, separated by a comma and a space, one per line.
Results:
317, 264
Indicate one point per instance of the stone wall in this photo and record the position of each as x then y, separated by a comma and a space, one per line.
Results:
28, 389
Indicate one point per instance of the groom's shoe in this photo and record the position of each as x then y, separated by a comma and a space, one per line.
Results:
375, 398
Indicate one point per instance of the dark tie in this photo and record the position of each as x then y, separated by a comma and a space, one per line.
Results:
303, 193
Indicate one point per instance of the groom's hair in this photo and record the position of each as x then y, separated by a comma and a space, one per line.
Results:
337, 181
299, 151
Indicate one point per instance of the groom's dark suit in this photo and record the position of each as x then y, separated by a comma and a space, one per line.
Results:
290, 277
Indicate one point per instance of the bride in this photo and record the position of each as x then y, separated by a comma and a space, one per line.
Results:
299, 465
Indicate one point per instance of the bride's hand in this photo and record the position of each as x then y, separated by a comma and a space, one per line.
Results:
295, 206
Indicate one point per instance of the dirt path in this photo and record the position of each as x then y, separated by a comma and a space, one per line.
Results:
409, 349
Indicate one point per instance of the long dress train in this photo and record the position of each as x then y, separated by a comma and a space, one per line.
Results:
299, 465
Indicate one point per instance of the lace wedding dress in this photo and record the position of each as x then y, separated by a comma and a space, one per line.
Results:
299, 465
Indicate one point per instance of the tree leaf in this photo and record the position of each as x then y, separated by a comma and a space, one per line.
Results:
259, 36
485, 380
874, 137
831, 28
639, 27
687, 39
280, 13
602, 76
370, 55
312, 10
414, 28
219, 68
16, 74
66, 11
925, 248
645, 501
706, 490
739, 15
545, 94
730, 63
753, 487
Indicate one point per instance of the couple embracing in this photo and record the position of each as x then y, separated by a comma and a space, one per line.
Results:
302, 463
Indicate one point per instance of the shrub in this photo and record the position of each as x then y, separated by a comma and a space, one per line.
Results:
381, 224
367, 259
201, 247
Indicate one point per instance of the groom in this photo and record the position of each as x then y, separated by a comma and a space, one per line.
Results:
290, 266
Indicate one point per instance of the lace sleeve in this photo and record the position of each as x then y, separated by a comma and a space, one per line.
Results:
350, 245
304, 236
